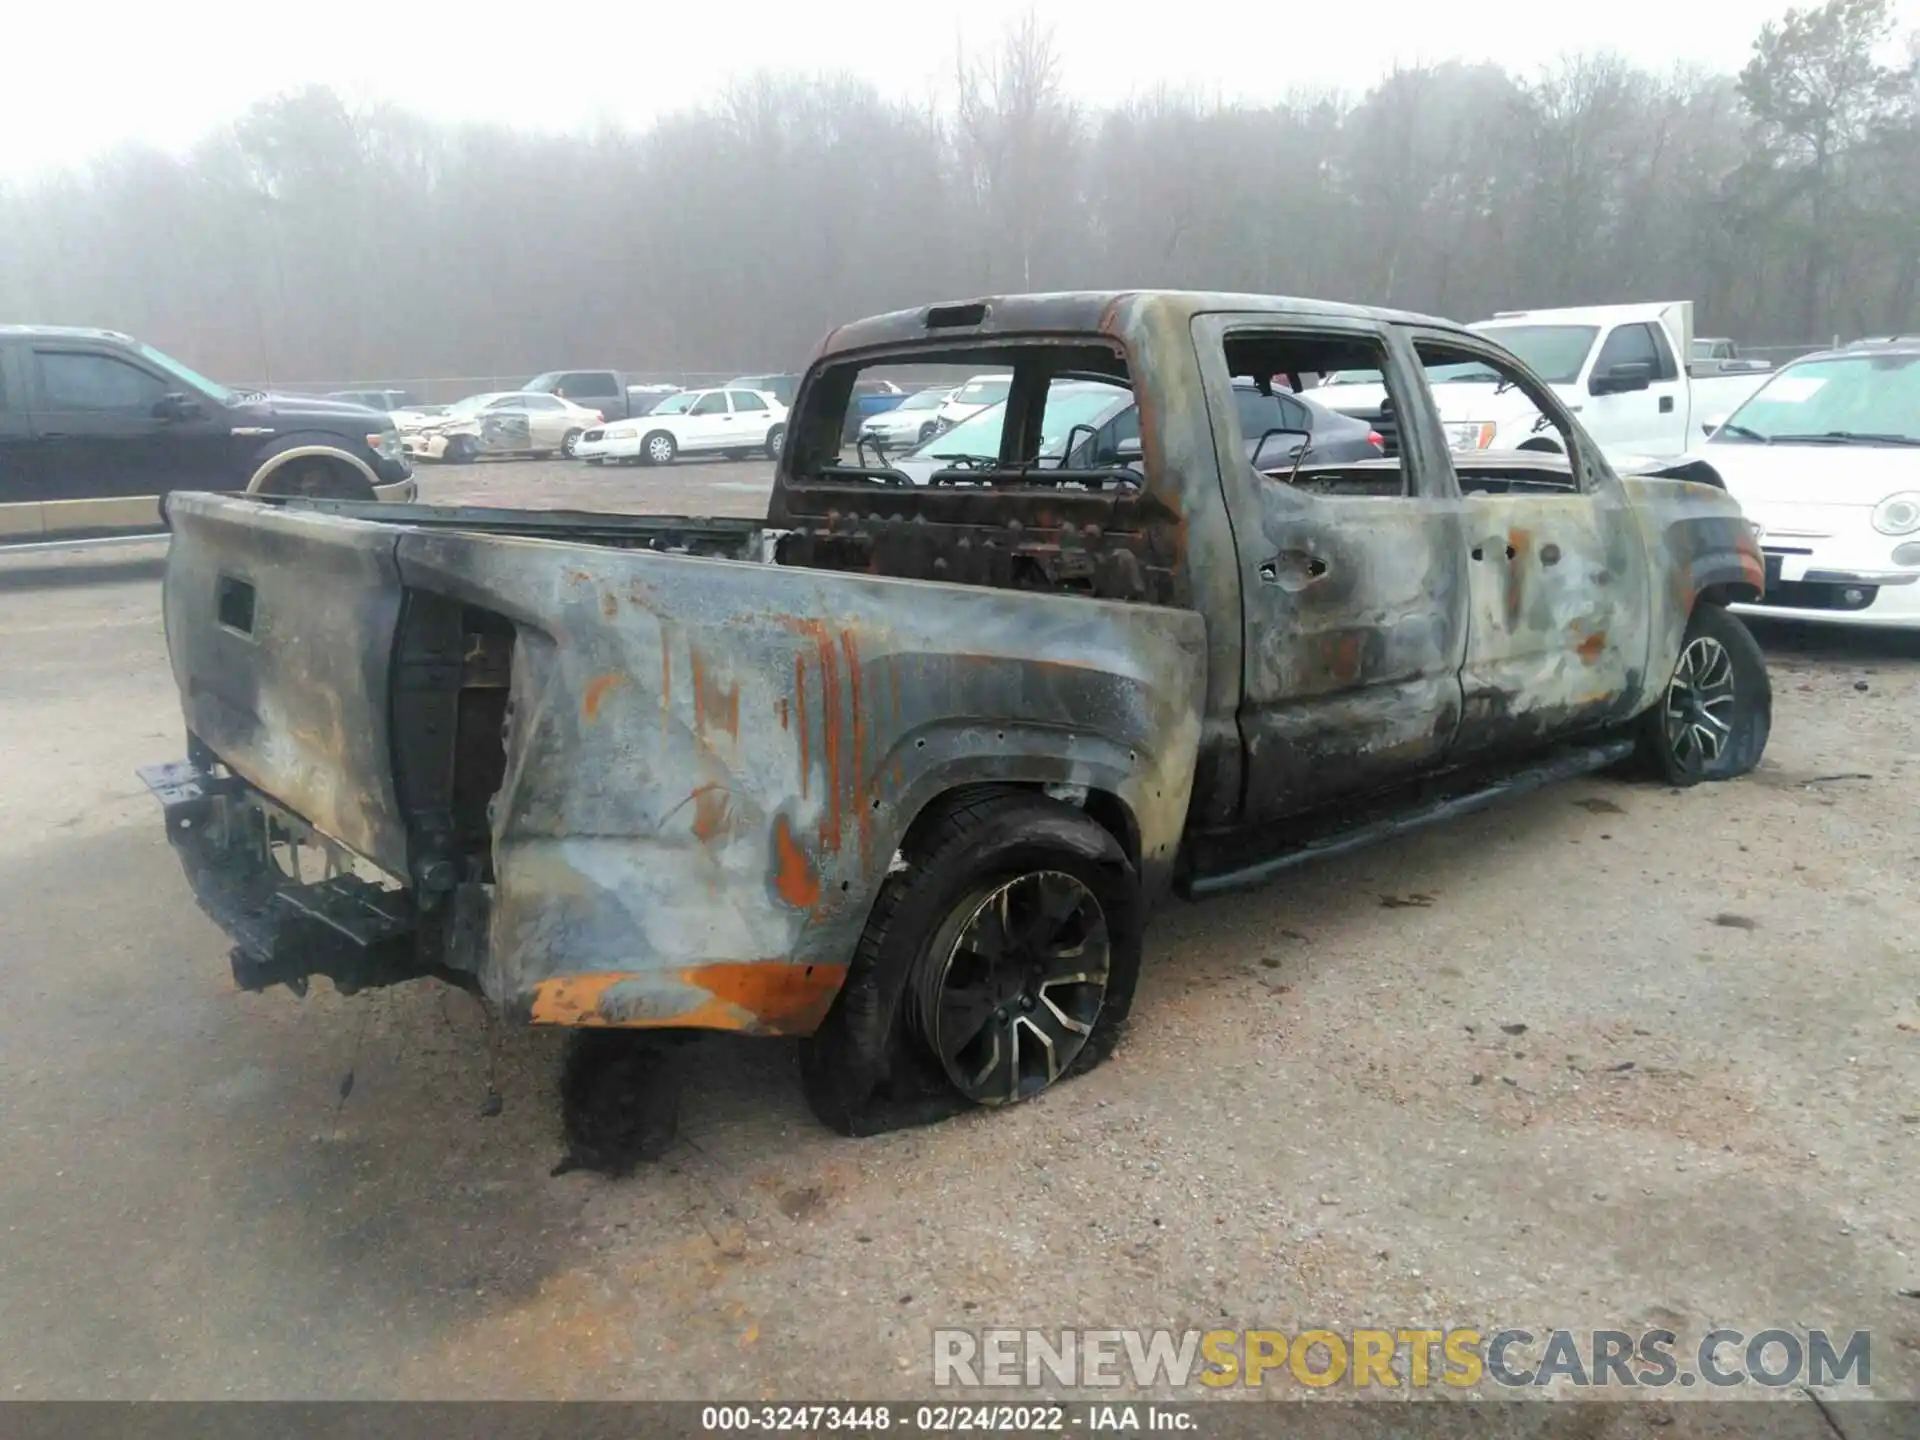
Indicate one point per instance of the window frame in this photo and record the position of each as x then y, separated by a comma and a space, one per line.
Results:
725, 408
1587, 466
758, 407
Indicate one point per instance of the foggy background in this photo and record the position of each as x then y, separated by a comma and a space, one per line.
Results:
323, 237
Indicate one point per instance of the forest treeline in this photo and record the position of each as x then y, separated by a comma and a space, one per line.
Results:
313, 239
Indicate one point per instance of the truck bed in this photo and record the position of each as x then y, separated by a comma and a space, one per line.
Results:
620, 766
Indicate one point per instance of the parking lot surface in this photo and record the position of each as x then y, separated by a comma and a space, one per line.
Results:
1608, 1056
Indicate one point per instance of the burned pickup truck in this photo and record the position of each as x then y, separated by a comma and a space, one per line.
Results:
903, 768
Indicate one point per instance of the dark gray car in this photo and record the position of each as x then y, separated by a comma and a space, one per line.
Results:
1100, 422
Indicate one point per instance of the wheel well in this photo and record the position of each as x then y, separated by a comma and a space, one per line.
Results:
1103, 807
344, 479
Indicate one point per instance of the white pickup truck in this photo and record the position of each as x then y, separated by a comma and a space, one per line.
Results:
1618, 367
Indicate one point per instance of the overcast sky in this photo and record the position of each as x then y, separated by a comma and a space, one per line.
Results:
77, 79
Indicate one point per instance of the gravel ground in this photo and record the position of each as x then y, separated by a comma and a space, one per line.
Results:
1609, 1056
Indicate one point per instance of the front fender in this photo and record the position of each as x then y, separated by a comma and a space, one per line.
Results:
1700, 540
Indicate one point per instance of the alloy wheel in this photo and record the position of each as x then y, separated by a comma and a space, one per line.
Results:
1020, 989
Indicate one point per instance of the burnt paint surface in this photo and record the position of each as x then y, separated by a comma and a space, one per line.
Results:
709, 765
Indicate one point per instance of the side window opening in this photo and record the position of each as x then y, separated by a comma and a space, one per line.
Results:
82, 380
1526, 454
1630, 345
713, 403
1331, 436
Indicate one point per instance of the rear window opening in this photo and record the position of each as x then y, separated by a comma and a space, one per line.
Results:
987, 415
1016, 464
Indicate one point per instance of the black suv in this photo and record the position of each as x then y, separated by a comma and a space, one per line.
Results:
95, 427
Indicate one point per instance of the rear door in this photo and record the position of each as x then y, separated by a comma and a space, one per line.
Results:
19, 490
752, 418
1353, 594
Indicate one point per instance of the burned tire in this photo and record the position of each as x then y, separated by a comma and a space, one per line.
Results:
658, 449
1716, 711
999, 962
318, 479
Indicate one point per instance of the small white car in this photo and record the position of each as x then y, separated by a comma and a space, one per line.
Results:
498, 423
1825, 461
914, 420
973, 397
695, 422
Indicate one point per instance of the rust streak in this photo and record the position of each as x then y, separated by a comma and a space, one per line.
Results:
666, 684
609, 604
800, 714
596, 694
1591, 648
712, 811
699, 695
863, 814
784, 998
580, 999
831, 824
793, 874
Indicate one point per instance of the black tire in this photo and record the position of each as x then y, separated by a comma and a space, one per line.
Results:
460, 450
658, 449
570, 442
928, 431
1719, 695
874, 1064
319, 479
739, 454
776, 437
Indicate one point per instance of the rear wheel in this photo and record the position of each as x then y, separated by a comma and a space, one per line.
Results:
658, 449
569, 443
776, 437
319, 478
999, 962
1714, 717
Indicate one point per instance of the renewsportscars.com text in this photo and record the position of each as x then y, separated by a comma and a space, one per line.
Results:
1415, 1359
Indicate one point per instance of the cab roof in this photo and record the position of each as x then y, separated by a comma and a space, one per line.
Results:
1084, 312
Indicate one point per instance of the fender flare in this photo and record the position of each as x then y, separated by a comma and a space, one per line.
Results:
280, 458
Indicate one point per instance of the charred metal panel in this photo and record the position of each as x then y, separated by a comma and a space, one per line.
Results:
710, 766
1558, 632
297, 702
1699, 542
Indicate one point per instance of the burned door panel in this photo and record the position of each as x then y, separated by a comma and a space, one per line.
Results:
1354, 635
1353, 606
1557, 639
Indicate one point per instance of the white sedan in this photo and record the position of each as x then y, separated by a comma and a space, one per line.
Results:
1825, 461
695, 422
